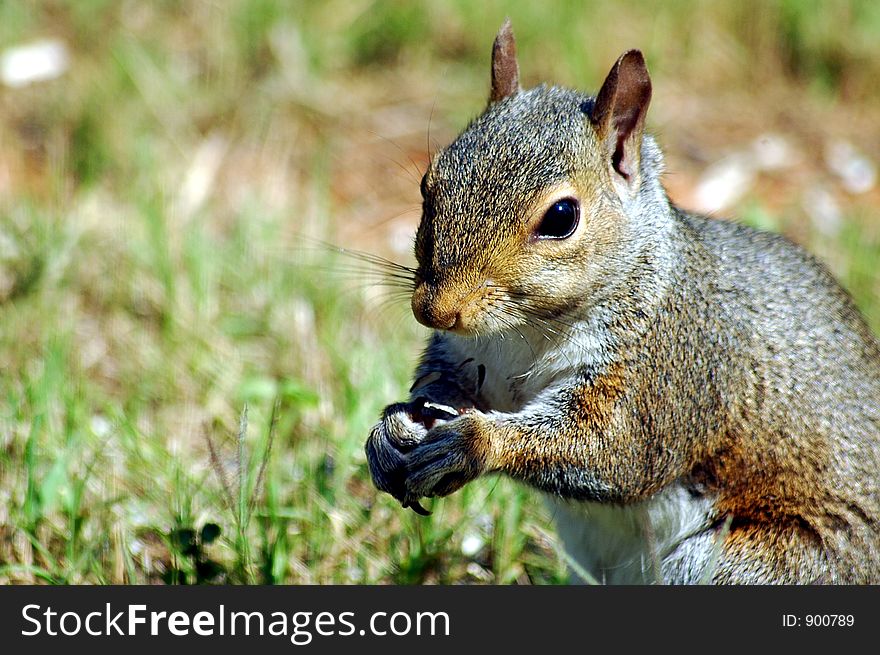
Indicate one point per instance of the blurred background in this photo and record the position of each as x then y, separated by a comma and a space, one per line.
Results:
187, 379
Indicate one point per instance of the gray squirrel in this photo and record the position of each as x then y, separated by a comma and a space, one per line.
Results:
698, 400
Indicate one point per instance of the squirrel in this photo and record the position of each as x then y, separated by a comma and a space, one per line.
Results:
698, 400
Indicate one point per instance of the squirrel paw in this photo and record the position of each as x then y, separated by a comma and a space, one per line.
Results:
450, 455
387, 446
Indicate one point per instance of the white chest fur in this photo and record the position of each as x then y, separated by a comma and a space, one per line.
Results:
664, 539
520, 365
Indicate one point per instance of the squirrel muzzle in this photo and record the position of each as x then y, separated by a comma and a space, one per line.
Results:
435, 309
455, 304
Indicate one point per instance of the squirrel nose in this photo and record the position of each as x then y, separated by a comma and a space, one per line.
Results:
432, 309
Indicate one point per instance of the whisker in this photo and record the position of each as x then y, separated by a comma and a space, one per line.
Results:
371, 258
501, 314
408, 171
409, 210
376, 275
359, 255
392, 300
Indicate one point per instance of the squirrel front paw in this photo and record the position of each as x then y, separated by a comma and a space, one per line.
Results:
402, 427
389, 442
450, 455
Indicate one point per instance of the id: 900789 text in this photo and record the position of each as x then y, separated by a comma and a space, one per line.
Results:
818, 620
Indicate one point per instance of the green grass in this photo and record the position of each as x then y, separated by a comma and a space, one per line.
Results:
132, 371
176, 359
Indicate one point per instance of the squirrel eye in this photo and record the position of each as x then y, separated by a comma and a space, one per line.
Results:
560, 221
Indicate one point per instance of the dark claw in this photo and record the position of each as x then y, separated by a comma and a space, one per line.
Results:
415, 506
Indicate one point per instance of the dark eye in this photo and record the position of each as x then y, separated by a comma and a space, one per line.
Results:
560, 221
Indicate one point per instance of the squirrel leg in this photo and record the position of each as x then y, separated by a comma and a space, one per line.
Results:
573, 441
787, 554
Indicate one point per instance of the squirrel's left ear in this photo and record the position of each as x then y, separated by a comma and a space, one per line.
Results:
619, 113
505, 70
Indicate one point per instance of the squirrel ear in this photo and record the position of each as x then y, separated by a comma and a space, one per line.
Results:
619, 112
505, 70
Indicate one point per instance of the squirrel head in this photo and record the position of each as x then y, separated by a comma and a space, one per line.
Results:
528, 213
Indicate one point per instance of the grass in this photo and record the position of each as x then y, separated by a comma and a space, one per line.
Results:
186, 384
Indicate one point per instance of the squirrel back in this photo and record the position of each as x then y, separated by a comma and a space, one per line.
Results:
698, 399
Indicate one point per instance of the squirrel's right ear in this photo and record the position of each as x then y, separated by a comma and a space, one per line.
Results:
619, 113
505, 70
